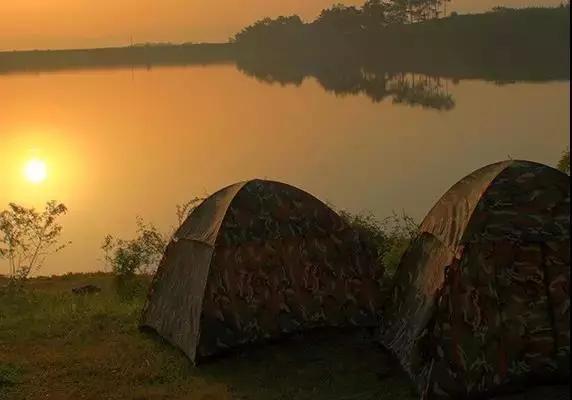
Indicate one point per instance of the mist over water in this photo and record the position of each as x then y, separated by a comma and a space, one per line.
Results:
125, 142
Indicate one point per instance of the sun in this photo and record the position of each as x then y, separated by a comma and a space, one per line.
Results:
35, 171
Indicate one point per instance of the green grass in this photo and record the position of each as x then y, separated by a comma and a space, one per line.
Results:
55, 345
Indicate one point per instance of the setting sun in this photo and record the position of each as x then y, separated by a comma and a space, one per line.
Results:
35, 171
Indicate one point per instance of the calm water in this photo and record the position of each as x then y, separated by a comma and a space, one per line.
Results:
122, 143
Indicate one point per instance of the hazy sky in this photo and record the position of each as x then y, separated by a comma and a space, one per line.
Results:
31, 24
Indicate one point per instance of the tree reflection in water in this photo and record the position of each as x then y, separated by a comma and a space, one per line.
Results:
373, 81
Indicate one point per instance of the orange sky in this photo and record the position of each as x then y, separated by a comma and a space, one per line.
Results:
31, 24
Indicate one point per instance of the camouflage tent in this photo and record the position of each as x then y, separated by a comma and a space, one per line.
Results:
481, 298
255, 261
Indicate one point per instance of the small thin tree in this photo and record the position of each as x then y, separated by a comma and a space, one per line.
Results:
28, 237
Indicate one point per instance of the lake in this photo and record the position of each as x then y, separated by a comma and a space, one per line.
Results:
122, 143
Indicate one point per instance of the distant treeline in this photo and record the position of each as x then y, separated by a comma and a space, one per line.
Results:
352, 48
141, 55
341, 21
409, 36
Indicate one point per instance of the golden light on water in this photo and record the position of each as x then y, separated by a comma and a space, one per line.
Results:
35, 171
102, 169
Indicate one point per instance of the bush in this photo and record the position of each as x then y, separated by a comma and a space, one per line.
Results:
564, 162
390, 236
130, 287
141, 255
135, 256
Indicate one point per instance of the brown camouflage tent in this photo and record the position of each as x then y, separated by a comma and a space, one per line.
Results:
255, 261
481, 298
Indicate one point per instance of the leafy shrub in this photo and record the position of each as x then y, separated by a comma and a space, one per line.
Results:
390, 236
139, 255
129, 257
564, 162
130, 287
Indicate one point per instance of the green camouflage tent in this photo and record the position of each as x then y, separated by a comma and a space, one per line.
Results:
255, 261
480, 302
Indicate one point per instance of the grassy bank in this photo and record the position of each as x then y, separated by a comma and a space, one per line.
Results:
55, 345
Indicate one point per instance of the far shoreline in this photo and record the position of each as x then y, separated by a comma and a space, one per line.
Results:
530, 44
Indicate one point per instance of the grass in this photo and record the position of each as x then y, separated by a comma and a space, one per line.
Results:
55, 345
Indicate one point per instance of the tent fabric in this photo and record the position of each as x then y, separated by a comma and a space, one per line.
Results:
204, 223
480, 302
258, 260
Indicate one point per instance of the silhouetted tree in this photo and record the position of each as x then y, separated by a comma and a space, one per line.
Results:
397, 12
423, 10
274, 31
375, 14
341, 18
